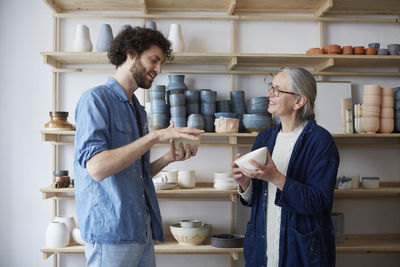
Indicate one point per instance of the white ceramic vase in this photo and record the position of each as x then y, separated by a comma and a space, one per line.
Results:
57, 235
105, 37
176, 38
82, 42
76, 236
69, 222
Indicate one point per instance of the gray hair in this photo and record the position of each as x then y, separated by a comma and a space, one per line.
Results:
302, 82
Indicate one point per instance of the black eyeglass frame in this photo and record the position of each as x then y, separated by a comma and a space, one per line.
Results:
276, 91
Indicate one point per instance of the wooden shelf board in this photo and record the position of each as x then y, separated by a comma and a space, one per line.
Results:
387, 189
288, 6
370, 243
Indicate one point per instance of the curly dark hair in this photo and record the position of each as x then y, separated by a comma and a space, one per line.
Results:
134, 41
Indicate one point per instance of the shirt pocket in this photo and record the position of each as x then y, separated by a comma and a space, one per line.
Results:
124, 133
308, 247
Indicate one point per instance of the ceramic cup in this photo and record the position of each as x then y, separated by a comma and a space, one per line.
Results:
171, 176
186, 178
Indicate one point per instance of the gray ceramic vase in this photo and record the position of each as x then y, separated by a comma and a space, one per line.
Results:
105, 37
151, 25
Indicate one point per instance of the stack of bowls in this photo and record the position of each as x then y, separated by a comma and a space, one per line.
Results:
177, 108
158, 108
208, 107
224, 181
190, 232
223, 106
258, 105
396, 96
238, 105
192, 102
387, 111
371, 108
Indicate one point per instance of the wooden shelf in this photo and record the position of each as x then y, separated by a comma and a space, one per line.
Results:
317, 7
367, 243
247, 139
202, 191
386, 190
322, 64
371, 243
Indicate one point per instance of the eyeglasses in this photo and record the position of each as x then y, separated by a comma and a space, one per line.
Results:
276, 91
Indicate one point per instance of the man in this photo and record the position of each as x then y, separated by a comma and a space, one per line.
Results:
116, 202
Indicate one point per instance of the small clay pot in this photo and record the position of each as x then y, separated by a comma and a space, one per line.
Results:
371, 89
387, 113
387, 101
386, 125
347, 50
370, 51
374, 100
370, 125
371, 111
315, 50
359, 50
333, 49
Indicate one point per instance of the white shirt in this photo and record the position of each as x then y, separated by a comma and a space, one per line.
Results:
282, 152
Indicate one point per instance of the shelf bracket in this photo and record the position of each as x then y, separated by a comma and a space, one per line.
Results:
323, 9
46, 255
231, 8
232, 140
144, 6
51, 61
53, 6
324, 65
233, 63
235, 256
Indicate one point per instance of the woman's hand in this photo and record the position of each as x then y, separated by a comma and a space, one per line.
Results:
241, 179
267, 172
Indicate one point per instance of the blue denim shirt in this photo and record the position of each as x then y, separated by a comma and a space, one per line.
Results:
114, 210
307, 237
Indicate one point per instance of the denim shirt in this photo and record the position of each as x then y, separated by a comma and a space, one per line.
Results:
114, 210
307, 237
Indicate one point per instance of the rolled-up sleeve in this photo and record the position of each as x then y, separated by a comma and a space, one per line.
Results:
92, 127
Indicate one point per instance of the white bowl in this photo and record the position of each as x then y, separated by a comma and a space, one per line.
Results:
165, 186
76, 236
190, 236
259, 155
225, 186
190, 223
185, 141
222, 175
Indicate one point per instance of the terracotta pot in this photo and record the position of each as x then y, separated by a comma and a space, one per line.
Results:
387, 91
387, 101
370, 51
387, 113
333, 49
347, 50
374, 100
386, 125
359, 50
370, 125
371, 111
315, 50
372, 89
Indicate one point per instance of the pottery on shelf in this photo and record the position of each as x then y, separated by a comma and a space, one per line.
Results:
176, 82
347, 50
105, 37
190, 236
151, 25
259, 155
226, 125
386, 125
370, 51
372, 89
82, 42
57, 235
374, 45
186, 178
359, 50
393, 49
195, 121
76, 236
176, 38
191, 223
370, 124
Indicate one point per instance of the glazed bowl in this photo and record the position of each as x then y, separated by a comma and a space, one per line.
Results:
227, 241
256, 122
223, 106
190, 223
226, 115
190, 236
225, 183
393, 49
374, 45
259, 155
382, 51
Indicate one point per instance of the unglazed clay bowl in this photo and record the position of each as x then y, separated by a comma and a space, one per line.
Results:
190, 236
387, 101
374, 100
347, 50
259, 155
387, 91
370, 124
386, 125
371, 111
372, 89
370, 51
359, 50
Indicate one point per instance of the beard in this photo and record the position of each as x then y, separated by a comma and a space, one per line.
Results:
139, 74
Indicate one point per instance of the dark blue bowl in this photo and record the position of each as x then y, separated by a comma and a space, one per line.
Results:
226, 115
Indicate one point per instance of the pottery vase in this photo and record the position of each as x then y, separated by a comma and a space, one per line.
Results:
105, 37
176, 38
82, 42
151, 25
176, 82
57, 235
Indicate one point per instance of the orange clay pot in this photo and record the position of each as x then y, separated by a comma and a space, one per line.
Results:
370, 51
347, 50
359, 50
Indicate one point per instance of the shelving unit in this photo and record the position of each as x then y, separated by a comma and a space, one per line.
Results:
234, 63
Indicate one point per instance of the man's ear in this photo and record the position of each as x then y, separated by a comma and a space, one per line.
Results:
301, 100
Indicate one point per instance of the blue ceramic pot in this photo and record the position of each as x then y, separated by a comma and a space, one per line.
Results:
238, 107
158, 121
393, 49
382, 51
256, 123
179, 121
157, 92
105, 37
158, 106
178, 111
195, 121
193, 108
374, 45
208, 108
209, 123
237, 96
176, 100
176, 82
208, 96
223, 106
192, 96
226, 115
396, 93
151, 25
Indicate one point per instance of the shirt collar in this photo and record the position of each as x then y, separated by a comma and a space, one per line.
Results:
117, 89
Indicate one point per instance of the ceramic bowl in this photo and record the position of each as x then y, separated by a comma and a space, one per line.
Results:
386, 125
227, 241
374, 45
393, 49
226, 115
372, 89
256, 123
371, 111
387, 101
370, 51
179, 121
76, 236
347, 50
387, 91
259, 155
370, 182
370, 124
191, 223
387, 113
373, 100
192, 96
185, 142
177, 100
207, 108
359, 50
224, 106
382, 51
225, 183
226, 125
190, 236
195, 121
344, 183
208, 96
222, 175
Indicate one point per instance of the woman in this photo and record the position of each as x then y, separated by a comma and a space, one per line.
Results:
291, 195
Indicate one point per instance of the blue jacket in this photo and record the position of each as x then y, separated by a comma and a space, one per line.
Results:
307, 237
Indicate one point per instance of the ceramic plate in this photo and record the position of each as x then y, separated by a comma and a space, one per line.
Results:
164, 186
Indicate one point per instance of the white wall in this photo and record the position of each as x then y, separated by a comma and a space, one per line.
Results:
25, 99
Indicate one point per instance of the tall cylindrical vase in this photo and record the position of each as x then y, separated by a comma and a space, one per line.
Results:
105, 37
82, 42
176, 38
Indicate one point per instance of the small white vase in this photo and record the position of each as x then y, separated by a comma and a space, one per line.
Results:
176, 38
82, 41
105, 37
57, 235
69, 222
76, 236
